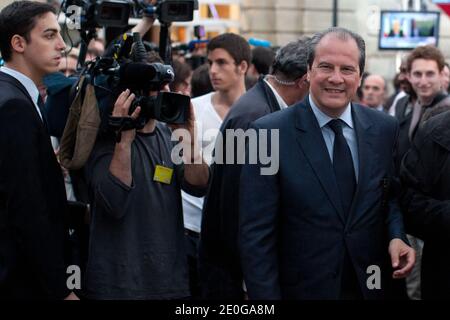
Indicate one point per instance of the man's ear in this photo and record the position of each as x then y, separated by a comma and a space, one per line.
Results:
303, 81
18, 43
243, 67
308, 74
408, 76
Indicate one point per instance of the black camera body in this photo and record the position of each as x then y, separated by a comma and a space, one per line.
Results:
168, 11
127, 67
131, 71
142, 78
168, 107
115, 13
100, 13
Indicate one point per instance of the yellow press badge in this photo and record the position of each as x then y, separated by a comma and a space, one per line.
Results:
163, 174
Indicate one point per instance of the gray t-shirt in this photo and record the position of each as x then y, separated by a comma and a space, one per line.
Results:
136, 248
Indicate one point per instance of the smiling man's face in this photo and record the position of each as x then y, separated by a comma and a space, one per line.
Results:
335, 75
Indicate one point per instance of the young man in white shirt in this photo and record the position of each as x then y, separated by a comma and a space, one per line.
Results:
229, 57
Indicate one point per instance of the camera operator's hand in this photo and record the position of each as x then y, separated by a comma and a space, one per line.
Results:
121, 108
120, 165
190, 127
146, 22
196, 171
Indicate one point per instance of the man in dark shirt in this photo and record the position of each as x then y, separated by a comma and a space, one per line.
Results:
137, 238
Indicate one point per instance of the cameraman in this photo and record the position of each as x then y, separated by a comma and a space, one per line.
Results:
137, 240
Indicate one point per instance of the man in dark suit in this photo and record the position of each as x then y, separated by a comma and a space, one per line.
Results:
324, 226
32, 194
220, 268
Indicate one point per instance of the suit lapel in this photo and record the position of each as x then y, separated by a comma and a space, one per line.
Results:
310, 139
13, 81
364, 134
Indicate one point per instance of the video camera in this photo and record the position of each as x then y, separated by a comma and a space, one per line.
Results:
96, 14
115, 13
127, 66
168, 11
92, 14
129, 70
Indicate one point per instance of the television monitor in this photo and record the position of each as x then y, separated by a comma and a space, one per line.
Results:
406, 30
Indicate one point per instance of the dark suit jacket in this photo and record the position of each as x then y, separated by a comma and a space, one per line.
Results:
220, 270
293, 233
425, 174
32, 201
404, 120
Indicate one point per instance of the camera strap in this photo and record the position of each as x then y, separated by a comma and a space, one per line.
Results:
119, 124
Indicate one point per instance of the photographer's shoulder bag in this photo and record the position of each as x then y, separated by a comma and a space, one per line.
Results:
81, 128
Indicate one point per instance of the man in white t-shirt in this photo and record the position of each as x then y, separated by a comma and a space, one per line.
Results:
229, 57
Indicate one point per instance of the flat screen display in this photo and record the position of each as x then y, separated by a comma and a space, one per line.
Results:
406, 30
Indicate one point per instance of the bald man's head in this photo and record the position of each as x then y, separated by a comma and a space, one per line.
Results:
374, 89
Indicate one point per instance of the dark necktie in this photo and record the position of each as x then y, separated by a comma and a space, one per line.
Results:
41, 105
343, 165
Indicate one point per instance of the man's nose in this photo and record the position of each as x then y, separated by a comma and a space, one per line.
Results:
423, 79
336, 77
213, 68
61, 44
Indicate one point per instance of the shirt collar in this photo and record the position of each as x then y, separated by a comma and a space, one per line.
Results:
29, 85
323, 119
281, 102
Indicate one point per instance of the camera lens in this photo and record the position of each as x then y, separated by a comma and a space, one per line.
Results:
170, 111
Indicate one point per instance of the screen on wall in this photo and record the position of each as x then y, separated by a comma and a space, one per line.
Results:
405, 30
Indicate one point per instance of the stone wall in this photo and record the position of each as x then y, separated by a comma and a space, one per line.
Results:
281, 21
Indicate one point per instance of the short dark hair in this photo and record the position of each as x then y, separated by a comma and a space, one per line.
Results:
343, 34
19, 18
234, 44
182, 72
262, 59
428, 52
200, 81
291, 59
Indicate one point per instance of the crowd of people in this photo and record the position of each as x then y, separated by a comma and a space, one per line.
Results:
362, 180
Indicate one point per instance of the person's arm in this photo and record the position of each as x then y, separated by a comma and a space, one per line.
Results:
120, 166
394, 219
196, 171
258, 210
143, 26
403, 257
109, 169
146, 22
